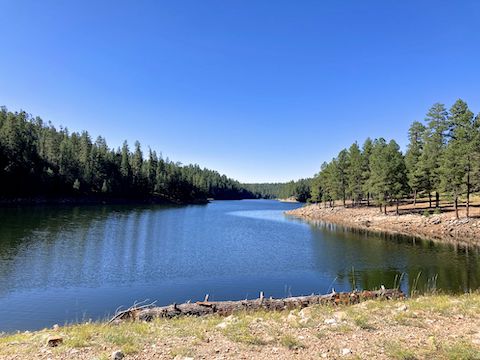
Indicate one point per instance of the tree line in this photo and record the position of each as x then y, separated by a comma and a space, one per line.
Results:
300, 190
442, 158
38, 160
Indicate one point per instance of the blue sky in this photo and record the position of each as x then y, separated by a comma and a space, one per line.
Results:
258, 90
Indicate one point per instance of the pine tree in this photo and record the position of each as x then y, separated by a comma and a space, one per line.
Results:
355, 173
366, 153
377, 184
452, 172
342, 174
417, 179
397, 186
462, 133
316, 191
434, 145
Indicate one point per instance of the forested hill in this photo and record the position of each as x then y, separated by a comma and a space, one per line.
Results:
39, 161
300, 190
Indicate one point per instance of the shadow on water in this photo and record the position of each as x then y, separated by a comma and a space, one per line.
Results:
368, 259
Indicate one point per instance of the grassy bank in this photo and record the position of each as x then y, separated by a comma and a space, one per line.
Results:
434, 326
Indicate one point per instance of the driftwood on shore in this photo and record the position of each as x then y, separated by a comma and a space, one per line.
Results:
224, 308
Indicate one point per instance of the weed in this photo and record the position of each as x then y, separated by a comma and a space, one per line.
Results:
461, 351
291, 342
397, 351
362, 322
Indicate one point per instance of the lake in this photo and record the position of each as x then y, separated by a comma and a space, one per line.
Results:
66, 264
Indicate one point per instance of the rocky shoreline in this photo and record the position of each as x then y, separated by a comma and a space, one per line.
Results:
442, 227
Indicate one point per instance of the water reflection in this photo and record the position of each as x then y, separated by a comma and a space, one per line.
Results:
62, 264
368, 259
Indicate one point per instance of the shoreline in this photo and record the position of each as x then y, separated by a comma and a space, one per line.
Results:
442, 228
92, 200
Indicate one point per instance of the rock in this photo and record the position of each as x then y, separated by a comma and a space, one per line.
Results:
402, 308
291, 318
227, 321
117, 355
330, 321
346, 352
54, 341
222, 325
55, 327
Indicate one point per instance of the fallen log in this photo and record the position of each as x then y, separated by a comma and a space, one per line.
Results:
225, 308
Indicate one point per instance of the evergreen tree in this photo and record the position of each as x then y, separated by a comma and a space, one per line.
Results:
417, 179
397, 186
377, 184
355, 173
434, 145
342, 168
462, 134
366, 153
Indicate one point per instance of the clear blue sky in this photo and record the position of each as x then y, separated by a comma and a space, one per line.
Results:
259, 90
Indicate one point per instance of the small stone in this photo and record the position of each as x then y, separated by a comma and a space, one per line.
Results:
346, 352
54, 341
117, 355
402, 308
222, 325
55, 327
330, 321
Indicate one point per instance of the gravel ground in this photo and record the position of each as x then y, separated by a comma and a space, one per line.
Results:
442, 227
430, 327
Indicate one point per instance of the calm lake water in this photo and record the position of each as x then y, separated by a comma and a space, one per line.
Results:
68, 264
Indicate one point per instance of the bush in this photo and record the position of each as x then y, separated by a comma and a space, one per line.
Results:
426, 213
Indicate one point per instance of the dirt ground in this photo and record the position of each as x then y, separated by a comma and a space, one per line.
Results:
430, 327
413, 221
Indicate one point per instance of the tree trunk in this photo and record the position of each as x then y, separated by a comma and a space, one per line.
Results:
381, 209
385, 209
398, 212
437, 199
456, 206
224, 308
414, 197
468, 194
430, 199
368, 199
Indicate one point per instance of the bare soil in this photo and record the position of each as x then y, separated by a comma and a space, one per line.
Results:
431, 327
443, 227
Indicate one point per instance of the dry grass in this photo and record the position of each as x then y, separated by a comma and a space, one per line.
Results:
434, 326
